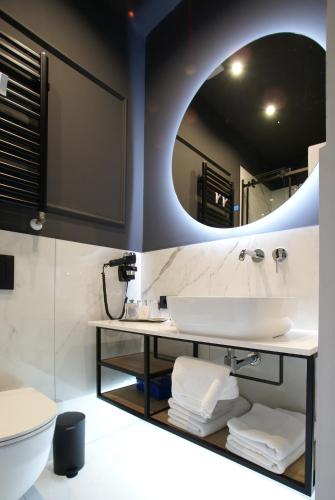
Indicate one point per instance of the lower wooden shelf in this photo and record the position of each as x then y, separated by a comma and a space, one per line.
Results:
296, 471
134, 364
132, 398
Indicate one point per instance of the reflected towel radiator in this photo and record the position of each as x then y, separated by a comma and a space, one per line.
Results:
215, 197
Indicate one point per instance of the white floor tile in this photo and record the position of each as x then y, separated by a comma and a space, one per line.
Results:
138, 461
32, 494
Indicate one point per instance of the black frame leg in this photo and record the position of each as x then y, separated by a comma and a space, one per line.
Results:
98, 359
147, 375
310, 415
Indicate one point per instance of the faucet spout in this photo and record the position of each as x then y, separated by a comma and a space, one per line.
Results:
245, 252
256, 255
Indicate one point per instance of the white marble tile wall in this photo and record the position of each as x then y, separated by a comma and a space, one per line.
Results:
214, 269
27, 314
78, 299
44, 338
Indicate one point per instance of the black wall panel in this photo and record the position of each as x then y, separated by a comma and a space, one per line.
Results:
87, 153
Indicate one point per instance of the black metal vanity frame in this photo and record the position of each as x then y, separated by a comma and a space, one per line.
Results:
306, 487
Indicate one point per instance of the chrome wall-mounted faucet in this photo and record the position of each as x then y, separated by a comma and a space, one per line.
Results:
252, 358
256, 255
279, 255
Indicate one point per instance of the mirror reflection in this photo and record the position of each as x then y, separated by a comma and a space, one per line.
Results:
252, 134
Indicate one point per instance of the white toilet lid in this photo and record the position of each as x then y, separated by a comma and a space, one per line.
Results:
23, 411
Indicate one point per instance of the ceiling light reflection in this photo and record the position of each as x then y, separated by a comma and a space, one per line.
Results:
270, 110
237, 68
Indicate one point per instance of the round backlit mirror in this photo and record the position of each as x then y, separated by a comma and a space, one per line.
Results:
252, 133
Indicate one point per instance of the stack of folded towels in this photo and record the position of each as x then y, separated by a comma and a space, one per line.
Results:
204, 396
271, 438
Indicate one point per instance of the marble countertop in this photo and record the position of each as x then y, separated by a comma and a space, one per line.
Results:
297, 342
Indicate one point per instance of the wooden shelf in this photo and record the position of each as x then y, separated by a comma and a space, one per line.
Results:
131, 398
133, 364
296, 471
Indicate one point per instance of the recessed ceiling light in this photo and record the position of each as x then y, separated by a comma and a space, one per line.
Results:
237, 68
270, 110
131, 14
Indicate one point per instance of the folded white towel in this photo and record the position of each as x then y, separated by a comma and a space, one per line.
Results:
221, 408
274, 433
202, 429
278, 467
198, 385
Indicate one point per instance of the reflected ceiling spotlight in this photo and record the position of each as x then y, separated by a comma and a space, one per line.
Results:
270, 110
131, 14
236, 68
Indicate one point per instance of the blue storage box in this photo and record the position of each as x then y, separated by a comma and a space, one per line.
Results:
160, 387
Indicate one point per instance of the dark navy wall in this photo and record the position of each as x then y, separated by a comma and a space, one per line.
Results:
180, 53
83, 176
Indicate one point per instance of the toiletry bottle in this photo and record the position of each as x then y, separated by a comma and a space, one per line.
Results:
131, 310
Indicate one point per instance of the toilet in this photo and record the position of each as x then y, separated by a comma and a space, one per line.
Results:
27, 422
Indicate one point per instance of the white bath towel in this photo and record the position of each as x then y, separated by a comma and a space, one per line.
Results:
278, 467
198, 385
221, 408
201, 429
274, 433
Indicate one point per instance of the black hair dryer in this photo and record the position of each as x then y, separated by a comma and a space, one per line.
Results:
126, 266
126, 271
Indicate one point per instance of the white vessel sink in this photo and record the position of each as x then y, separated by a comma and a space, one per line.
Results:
233, 317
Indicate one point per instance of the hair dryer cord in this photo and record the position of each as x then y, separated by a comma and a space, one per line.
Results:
104, 288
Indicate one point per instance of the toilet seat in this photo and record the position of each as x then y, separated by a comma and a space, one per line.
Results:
23, 413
